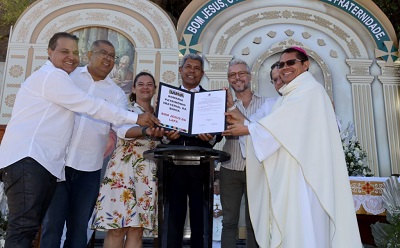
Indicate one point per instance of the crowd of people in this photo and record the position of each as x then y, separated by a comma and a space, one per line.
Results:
286, 157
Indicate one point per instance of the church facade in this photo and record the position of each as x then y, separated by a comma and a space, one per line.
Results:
352, 46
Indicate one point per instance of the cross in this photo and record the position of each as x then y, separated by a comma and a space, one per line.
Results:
389, 53
368, 188
187, 38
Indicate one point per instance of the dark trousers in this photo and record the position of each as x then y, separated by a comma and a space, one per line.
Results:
232, 187
29, 188
73, 204
185, 181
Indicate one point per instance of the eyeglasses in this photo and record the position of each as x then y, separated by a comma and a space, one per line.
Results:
289, 63
241, 74
104, 54
274, 65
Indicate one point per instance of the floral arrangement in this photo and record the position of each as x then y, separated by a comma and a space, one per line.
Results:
356, 158
387, 235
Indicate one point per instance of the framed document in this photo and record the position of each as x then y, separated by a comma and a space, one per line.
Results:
191, 113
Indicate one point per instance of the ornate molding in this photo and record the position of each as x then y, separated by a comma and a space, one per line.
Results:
389, 71
9, 100
169, 77
218, 62
117, 12
217, 72
359, 67
287, 16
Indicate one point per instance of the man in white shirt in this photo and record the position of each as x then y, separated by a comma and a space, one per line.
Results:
299, 193
33, 148
237, 115
74, 198
232, 172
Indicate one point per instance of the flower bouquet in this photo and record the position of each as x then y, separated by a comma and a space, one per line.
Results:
387, 235
356, 158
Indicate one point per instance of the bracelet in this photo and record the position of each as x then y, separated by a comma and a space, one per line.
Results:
144, 131
233, 107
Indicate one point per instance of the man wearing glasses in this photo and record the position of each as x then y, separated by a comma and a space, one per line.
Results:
232, 172
33, 148
275, 77
74, 199
299, 195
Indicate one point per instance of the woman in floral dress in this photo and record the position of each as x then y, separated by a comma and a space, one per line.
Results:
127, 200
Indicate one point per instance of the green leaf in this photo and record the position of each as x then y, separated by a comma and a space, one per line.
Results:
11, 10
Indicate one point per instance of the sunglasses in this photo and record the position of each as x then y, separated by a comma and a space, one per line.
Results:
289, 63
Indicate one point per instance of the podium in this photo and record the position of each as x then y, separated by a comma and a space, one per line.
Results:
170, 155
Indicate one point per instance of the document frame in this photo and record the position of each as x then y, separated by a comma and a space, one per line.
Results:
191, 113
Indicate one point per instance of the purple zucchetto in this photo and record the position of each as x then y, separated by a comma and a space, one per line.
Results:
300, 50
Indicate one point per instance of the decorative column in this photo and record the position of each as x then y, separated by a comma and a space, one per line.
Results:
217, 75
361, 79
22, 61
217, 72
145, 60
169, 66
390, 79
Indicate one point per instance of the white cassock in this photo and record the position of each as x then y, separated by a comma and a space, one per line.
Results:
299, 194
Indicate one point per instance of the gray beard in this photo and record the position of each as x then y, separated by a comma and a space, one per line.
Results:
241, 90
121, 74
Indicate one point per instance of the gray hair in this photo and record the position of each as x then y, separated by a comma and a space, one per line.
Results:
97, 43
125, 58
194, 57
273, 66
240, 62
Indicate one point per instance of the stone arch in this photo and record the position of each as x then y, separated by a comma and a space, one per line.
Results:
237, 27
142, 22
278, 48
61, 15
341, 46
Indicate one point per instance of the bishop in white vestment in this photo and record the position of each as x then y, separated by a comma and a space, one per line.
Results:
297, 182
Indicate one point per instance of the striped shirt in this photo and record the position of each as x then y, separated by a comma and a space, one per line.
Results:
232, 146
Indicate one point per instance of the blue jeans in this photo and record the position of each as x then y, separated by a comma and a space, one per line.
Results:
73, 203
29, 188
232, 187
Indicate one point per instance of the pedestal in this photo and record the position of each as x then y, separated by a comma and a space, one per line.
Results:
183, 156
